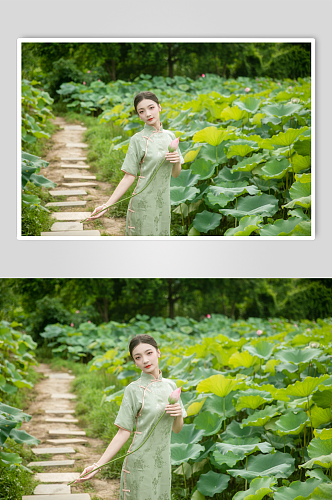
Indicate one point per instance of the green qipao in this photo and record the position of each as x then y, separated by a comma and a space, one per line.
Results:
149, 213
146, 474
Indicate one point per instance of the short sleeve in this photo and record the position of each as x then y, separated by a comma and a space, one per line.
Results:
184, 413
132, 159
178, 150
128, 410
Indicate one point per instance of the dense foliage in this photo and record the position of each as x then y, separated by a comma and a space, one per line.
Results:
257, 394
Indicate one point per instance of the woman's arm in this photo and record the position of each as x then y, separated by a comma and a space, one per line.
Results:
115, 445
175, 410
119, 191
177, 424
174, 158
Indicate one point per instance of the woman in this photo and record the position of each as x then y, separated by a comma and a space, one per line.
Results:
149, 213
146, 474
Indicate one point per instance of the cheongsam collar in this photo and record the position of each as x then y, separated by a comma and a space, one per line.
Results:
150, 128
148, 377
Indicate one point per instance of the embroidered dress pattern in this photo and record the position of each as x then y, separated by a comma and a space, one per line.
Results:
146, 474
149, 213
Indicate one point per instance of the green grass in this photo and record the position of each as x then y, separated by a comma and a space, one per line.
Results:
40, 147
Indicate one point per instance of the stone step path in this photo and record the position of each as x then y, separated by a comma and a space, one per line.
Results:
68, 192
64, 165
67, 441
63, 395
76, 145
52, 489
79, 184
66, 432
73, 158
56, 477
53, 451
85, 232
66, 204
63, 410
62, 420
79, 176
75, 496
67, 226
52, 463
70, 215
60, 375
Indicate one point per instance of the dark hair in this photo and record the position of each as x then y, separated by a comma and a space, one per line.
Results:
141, 339
145, 95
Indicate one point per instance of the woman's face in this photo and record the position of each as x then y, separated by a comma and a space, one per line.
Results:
148, 111
146, 358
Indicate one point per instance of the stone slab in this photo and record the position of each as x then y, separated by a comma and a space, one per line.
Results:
68, 192
74, 158
66, 432
69, 216
89, 232
81, 145
62, 420
63, 165
52, 489
67, 441
53, 451
56, 477
73, 127
67, 226
66, 204
80, 176
60, 411
51, 463
63, 375
63, 395
73, 496
79, 184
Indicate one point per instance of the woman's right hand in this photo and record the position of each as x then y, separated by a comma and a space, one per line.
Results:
97, 209
89, 476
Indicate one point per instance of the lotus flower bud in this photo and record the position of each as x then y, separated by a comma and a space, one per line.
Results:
247, 89
259, 332
173, 145
174, 396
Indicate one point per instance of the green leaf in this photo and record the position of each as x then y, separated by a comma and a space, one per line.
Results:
180, 194
211, 483
323, 461
232, 113
240, 150
10, 458
23, 437
230, 458
287, 138
183, 452
264, 205
235, 446
291, 423
242, 359
202, 168
40, 180
217, 404
211, 135
185, 179
249, 104
303, 148
277, 465
246, 226
218, 384
197, 495
299, 163
297, 356
259, 487
304, 388
259, 418
281, 110
206, 221
275, 169
280, 227
227, 174
323, 399
297, 490
210, 423
213, 153
320, 416
30, 199
322, 492
235, 429
262, 349
248, 164
251, 402
319, 447
189, 434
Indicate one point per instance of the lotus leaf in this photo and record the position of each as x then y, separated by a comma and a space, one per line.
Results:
300, 190
248, 164
259, 487
211, 483
275, 168
242, 359
264, 205
287, 138
297, 490
281, 109
210, 423
249, 104
182, 452
23, 437
197, 496
191, 155
322, 492
299, 163
303, 148
291, 423
323, 433
323, 461
16, 414
206, 221
319, 447
230, 458
218, 384
220, 405
297, 356
259, 418
246, 226
227, 174
232, 113
301, 389
280, 227
228, 191
320, 416
180, 194
214, 154
277, 465
236, 446
251, 402
234, 429
304, 202
279, 442
323, 398
202, 168
10, 458
240, 150
185, 179
211, 135
262, 349
195, 408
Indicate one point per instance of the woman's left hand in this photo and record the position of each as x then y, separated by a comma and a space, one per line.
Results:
173, 157
174, 410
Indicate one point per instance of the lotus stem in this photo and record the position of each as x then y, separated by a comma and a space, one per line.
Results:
129, 197
114, 459
184, 477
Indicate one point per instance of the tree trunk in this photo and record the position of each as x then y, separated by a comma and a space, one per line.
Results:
171, 297
113, 70
170, 60
102, 306
224, 70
